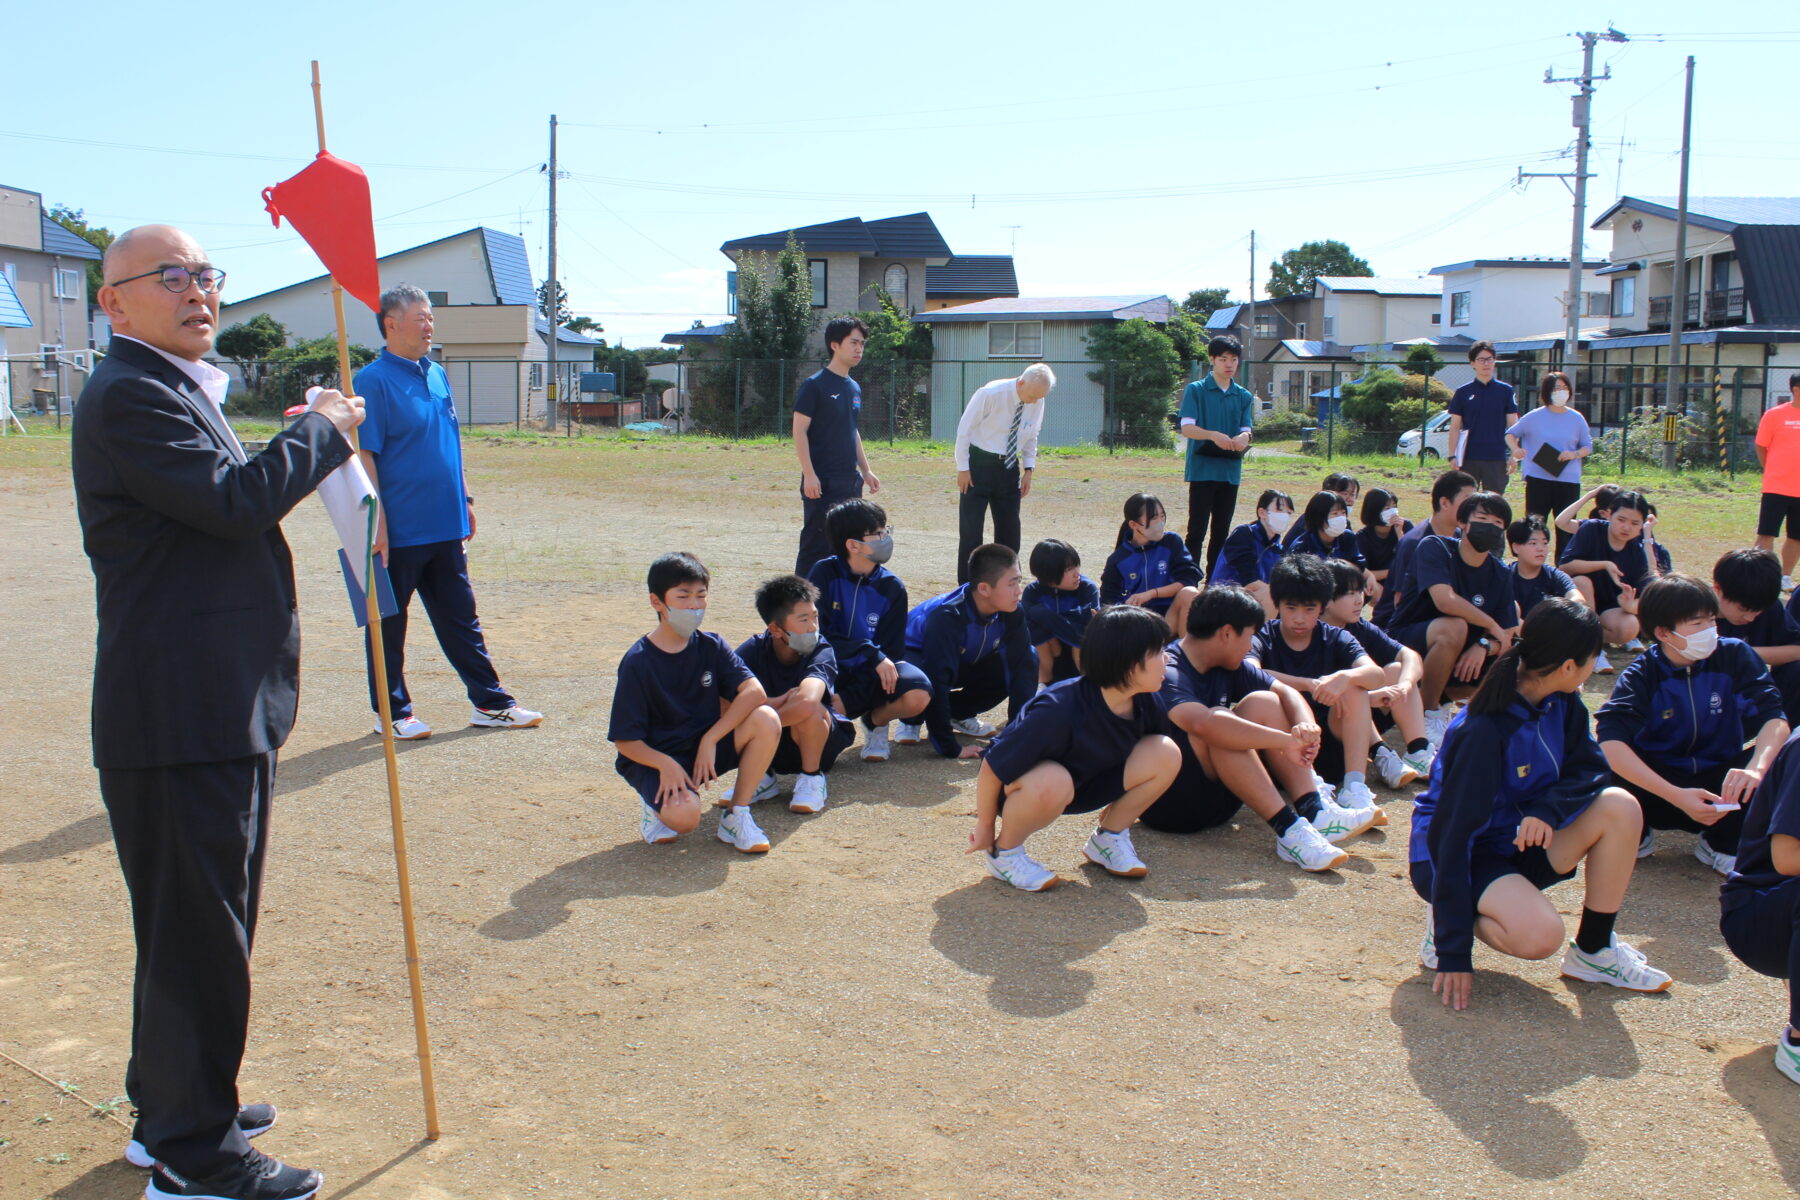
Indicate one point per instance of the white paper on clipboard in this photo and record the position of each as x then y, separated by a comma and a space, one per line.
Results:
347, 494
1462, 443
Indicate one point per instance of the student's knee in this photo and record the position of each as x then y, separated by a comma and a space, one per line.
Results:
1048, 784
1619, 809
681, 814
1447, 631
913, 703
1262, 707
1161, 757
1540, 936
762, 725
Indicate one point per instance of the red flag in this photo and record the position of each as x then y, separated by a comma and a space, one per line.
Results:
328, 205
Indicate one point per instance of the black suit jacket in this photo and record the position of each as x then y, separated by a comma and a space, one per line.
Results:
198, 656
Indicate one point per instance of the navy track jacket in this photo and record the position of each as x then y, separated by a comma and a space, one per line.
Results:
1693, 718
945, 634
862, 616
1051, 613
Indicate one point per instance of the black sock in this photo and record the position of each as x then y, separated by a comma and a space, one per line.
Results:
812, 774
1417, 746
1791, 1039
1283, 821
1595, 931
1308, 805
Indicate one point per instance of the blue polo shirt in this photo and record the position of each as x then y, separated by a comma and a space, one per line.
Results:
1223, 411
1486, 410
833, 402
412, 430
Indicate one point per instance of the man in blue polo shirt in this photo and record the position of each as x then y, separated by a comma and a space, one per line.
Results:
1216, 414
412, 450
833, 467
1484, 409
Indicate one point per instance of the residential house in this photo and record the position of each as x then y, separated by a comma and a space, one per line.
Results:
1496, 299
967, 278
43, 294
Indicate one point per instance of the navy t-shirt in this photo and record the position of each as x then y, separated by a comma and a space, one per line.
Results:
1375, 643
1592, 544
1774, 808
1378, 547
669, 701
833, 402
1486, 410
1184, 683
778, 678
1550, 584
1331, 649
1771, 627
1071, 723
1488, 587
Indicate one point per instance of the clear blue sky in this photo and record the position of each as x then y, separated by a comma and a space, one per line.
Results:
1134, 148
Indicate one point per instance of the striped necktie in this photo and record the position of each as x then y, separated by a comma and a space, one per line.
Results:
1012, 436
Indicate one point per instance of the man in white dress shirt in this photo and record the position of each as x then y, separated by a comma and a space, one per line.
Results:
996, 449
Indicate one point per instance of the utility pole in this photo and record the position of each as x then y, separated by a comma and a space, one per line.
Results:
550, 287
1250, 325
1679, 293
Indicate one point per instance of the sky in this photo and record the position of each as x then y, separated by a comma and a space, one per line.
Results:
1111, 151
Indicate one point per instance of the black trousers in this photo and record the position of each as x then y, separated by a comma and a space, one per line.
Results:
191, 841
1546, 498
815, 543
1211, 504
439, 573
1763, 930
992, 484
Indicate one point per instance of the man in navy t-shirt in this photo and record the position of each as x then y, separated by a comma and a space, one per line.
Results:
833, 466
1484, 409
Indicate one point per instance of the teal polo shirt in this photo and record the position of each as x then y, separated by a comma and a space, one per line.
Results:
1213, 407
410, 426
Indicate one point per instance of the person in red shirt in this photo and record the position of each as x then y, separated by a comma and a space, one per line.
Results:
1778, 449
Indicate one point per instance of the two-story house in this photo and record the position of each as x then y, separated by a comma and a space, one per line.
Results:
1496, 299
44, 299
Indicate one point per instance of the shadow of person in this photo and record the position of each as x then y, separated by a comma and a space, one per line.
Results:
1752, 1080
1493, 1069
304, 770
1230, 862
1673, 917
1026, 944
114, 1177
72, 838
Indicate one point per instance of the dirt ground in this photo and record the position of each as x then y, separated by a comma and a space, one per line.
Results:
861, 1012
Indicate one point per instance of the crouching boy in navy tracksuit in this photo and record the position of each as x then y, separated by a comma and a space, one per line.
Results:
1094, 743
1760, 902
797, 668
1058, 603
972, 646
1675, 725
1748, 583
863, 612
667, 722
1518, 799
1151, 567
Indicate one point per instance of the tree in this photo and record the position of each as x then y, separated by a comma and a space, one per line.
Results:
1142, 375
1423, 359
1369, 401
1189, 337
896, 361
775, 312
310, 363
1205, 302
578, 324
250, 344
562, 302
1295, 272
75, 221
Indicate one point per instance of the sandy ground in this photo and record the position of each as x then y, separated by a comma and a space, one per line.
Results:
860, 1013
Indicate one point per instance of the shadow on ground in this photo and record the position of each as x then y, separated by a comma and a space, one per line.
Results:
1766, 1094
73, 838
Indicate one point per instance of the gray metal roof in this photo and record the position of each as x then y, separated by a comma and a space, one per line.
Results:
911, 236
973, 275
12, 312
700, 335
58, 240
1311, 349
1770, 257
564, 335
1380, 286
508, 267
1722, 213
1222, 319
1059, 308
1475, 264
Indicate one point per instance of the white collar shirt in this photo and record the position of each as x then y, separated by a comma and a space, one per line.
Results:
988, 418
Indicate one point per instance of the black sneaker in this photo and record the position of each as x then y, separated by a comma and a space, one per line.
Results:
255, 1177
253, 1120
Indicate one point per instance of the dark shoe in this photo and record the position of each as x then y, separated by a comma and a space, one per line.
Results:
253, 1120
255, 1177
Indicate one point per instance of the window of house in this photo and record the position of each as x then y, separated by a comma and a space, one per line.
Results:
1015, 339
1459, 308
1596, 304
1437, 318
11, 271
68, 284
894, 281
1624, 296
1722, 265
731, 293
817, 267
537, 376
438, 299
1330, 328
1300, 330
1268, 325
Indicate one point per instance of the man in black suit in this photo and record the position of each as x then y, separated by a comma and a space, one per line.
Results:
196, 681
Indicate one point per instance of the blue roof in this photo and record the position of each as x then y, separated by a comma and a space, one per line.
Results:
973, 275
1723, 213
58, 240
1223, 319
699, 334
12, 313
564, 335
912, 236
508, 267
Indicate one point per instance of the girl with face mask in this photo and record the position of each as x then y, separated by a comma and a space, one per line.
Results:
1549, 443
1324, 529
1150, 567
1249, 555
1382, 529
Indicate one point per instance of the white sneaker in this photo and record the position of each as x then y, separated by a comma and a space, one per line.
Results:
1437, 724
1647, 843
875, 744
506, 718
653, 829
767, 788
1114, 852
809, 795
1307, 849
973, 727
1421, 762
1603, 665
1335, 823
1327, 791
1787, 583
1396, 772
1634, 646
908, 734
738, 829
1620, 965
1021, 870
1356, 797
406, 729
1723, 863
1787, 1056
1428, 948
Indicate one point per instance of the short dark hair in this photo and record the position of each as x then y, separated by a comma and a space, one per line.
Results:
1374, 500
1794, 381
1446, 486
1751, 578
1320, 507
1520, 531
1555, 631
1222, 606
1224, 343
674, 569
1271, 495
1051, 560
1301, 579
1338, 481
839, 328
1479, 348
853, 520
1118, 638
1668, 600
1491, 503
1346, 577
779, 596
1635, 501
1605, 499
988, 563
1550, 380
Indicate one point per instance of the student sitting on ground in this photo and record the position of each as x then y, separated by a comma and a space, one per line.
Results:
1459, 611
1323, 529
975, 651
1760, 902
1345, 486
1518, 799
797, 669
1396, 702
1448, 491
1253, 548
1059, 601
1382, 528
1094, 743
1610, 561
667, 724
1243, 736
1676, 723
863, 611
1329, 668
1151, 567
1748, 584
1534, 579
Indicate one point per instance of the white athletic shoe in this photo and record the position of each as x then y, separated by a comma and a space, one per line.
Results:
1021, 870
1428, 948
1307, 849
1437, 724
406, 729
1396, 772
809, 795
1327, 791
653, 829
1114, 853
506, 718
1647, 843
1603, 665
973, 727
1620, 965
767, 788
1787, 1056
1335, 823
875, 744
1421, 762
738, 829
908, 734
1787, 583
1634, 646
1724, 864
1357, 797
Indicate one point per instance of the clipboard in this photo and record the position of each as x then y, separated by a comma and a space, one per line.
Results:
359, 605
1548, 459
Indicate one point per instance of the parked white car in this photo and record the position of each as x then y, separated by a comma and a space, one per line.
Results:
1437, 439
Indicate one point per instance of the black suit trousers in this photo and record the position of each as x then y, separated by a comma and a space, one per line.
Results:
191, 842
992, 484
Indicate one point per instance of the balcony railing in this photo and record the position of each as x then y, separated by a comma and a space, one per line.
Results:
1723, 307
1661, 306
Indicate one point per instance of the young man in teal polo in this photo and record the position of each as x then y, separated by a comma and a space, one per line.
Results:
1215, 419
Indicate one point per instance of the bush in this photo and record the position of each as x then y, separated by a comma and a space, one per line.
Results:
1142, 377
1281, 425
1410, 414
1413, 386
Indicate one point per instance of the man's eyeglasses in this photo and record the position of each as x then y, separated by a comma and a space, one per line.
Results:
179, 279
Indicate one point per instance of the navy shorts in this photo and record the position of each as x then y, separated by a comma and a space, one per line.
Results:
1533, 863
647, 781
1093, 794
860, 689
1195, 801
787, 754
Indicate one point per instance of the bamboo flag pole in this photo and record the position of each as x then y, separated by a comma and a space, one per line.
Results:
395, 811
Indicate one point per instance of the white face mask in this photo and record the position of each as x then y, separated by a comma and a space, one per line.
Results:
1336, 524
686, 621
1559, 397
1156, 529
1389, 515
1700, 644
1278, 522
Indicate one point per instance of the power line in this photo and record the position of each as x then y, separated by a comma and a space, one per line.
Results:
274, 158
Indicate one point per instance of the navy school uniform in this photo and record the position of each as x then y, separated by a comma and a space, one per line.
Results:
778, 678
1131, 569
970, 662
1773, 627
1070, 723
1053, 614
1759, 906
1378, 548
1690, 724
1196, 801
1248, 556
1488, 587
1491, 773
1301, 540
864, 619
1592, 544
1550, 584
1385, 652
1331, 649
669, 701
1400, 572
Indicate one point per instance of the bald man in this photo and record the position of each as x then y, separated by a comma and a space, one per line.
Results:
196, 681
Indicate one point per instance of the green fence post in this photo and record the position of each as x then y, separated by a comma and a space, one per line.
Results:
893, 375
780, 394
737, 389
1106, 419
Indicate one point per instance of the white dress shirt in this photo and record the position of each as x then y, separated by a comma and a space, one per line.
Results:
212, 382
988, 418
